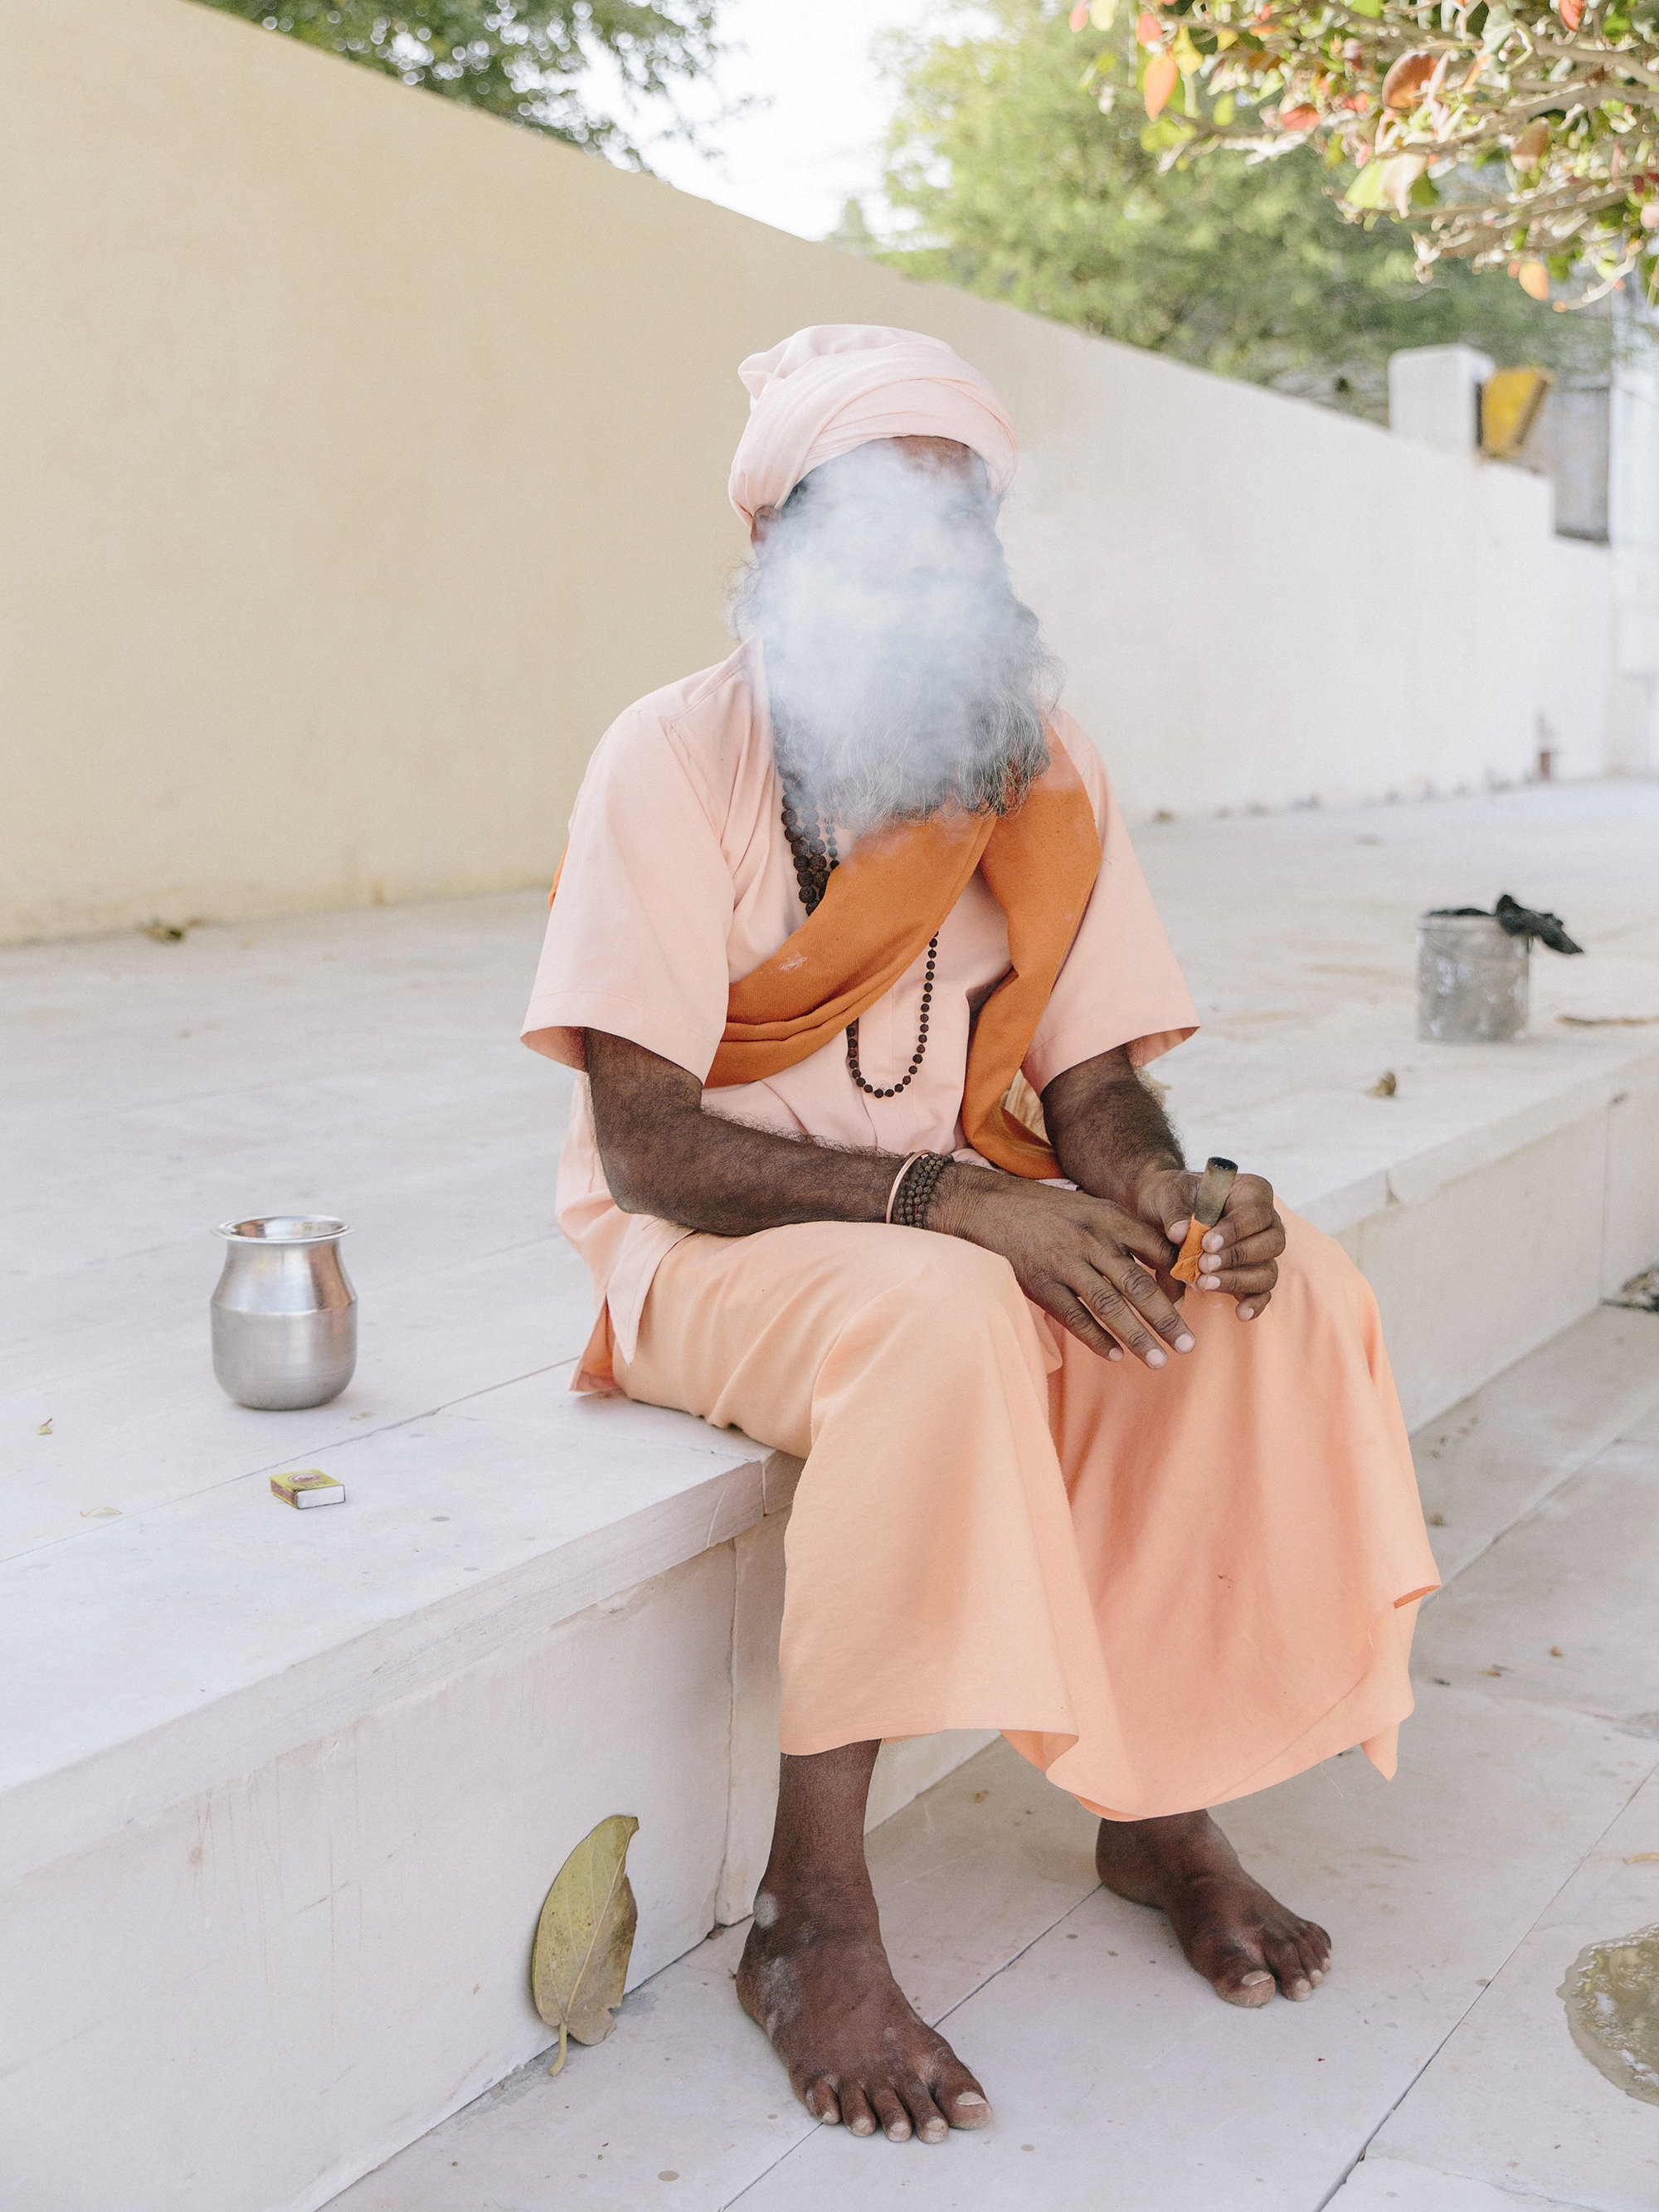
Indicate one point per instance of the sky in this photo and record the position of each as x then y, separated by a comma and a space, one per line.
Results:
794, 162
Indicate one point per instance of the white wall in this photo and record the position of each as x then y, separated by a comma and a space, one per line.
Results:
1578, 678
364, 455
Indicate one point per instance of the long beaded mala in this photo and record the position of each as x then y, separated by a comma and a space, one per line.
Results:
812, 843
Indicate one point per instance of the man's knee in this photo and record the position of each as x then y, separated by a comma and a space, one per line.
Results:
1315, 1272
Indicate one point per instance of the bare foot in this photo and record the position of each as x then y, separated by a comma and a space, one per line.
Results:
815, 1976
1238, 1937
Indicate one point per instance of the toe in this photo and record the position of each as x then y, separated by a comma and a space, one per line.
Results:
930, 2123
960, 2099
1314, 1947
894, 2120
820, 2099
1289, 1971
1243, 1979
856, 2116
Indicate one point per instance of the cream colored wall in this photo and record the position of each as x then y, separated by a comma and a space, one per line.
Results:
366, 455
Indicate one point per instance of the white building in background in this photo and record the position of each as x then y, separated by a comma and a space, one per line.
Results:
1596, 439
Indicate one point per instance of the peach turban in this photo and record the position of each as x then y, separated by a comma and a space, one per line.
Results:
836, 385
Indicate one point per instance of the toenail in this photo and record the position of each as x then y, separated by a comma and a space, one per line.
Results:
1251, 1981
971, 2097
935, 2132
1301, 1990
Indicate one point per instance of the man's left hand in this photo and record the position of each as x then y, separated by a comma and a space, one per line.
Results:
1241, 1253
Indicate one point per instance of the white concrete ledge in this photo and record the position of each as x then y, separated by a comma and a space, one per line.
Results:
262, 1629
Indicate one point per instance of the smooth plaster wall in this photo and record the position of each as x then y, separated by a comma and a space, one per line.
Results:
363, 456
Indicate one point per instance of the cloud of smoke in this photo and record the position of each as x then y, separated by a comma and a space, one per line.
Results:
904, 675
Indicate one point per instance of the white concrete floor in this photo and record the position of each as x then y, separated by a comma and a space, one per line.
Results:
1524, 1825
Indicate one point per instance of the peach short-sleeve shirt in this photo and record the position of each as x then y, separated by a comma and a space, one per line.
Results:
678, 881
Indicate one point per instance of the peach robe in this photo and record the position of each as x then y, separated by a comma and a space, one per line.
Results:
1167, 1588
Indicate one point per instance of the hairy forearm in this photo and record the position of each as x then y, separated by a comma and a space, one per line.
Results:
1107, 1130
729, 1179
663, 1155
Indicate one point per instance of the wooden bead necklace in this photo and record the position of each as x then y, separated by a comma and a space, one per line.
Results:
812, 843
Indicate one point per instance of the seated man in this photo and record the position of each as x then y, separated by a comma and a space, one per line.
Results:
833, 918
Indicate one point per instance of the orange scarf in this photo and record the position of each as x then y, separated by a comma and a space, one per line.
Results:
883, 904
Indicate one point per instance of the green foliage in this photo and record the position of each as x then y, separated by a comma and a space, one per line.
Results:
519, 58
1517, 133
1021, 188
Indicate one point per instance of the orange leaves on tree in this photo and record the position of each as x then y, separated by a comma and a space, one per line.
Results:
1078, 18
1149, 30
1403, 87
1162, 72
1298, 118
1572, 12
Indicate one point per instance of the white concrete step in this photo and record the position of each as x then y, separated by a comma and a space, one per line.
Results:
280, 1794
1116, 2076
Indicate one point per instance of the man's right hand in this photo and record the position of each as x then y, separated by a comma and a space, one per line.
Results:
1088, 1263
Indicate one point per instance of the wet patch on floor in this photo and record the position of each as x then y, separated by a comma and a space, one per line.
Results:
1611, 1996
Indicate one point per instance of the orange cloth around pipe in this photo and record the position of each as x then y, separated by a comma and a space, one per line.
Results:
883, 904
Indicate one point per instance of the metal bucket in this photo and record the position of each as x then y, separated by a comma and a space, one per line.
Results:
1471, 978
284, 1316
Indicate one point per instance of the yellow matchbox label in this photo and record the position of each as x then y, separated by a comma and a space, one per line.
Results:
310, 1486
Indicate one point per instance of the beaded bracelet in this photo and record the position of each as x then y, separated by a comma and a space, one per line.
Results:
913, 1193
897, 1180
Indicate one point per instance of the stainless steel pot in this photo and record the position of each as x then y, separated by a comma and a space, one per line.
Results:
284, 1316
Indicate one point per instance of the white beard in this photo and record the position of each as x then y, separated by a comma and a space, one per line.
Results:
895, 695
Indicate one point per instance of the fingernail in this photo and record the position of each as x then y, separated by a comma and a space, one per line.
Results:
1156, 1358
1209, 1282
1214, 1241
1114, 1353
1247, 1313
1185, 1343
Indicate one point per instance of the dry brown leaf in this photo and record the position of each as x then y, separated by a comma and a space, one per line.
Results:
1385, 1086
579, 1963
